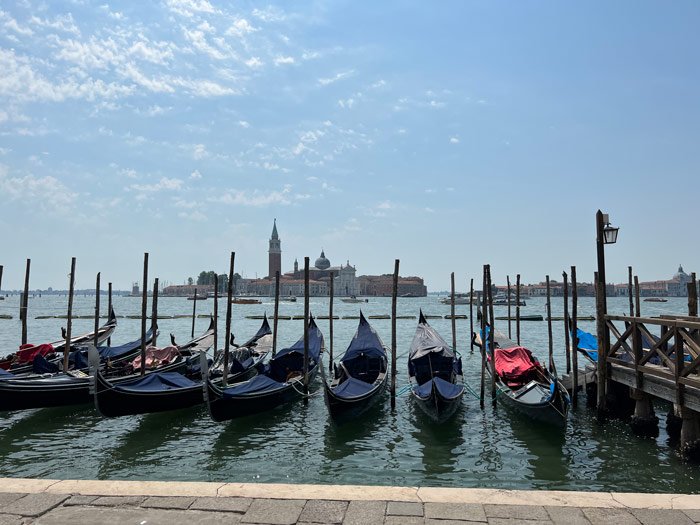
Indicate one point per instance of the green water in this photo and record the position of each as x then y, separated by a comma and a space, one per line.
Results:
299, 443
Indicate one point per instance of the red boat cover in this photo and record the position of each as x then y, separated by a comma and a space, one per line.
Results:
156, 357
28, 352
515, 365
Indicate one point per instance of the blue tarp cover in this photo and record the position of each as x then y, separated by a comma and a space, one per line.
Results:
427, 340
41, 366
5, 373
365, 341
587, 343
315, 344
445, 388
158, 381
259, 383
116, 351
352, 388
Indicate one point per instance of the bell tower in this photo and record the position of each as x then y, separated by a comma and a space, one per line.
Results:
275, 253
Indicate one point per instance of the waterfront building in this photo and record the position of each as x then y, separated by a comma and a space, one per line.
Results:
382, 286
274, 253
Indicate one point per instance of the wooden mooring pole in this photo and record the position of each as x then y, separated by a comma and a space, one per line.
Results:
510, 335
306, 329
227, 335
144, 303
629, 290
517, 308
154, 313
637, 303
109, 308
97, 310
482, 338
194, 310
574, 336
394, 294
566, 322
549, 327
216, 315
69, 322
692, 296
275, 319
491, 335
601, 368
25, 302
452, 312
471, 314
330, 322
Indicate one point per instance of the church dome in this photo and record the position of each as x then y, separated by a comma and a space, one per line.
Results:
322, 263
680, 274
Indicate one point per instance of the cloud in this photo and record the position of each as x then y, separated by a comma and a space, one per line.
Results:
195, 215
454, 140
254, 63
259, 198
188, 8
282, 60
164, 184
244, 124
199, 151
240, 28
195, 175
335, 78
47, 191
269, 14
64, 23
129, 173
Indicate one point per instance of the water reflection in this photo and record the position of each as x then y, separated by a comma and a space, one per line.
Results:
438, 442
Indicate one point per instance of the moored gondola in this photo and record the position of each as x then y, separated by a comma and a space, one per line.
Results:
73, 387
281, 380
435, 373
21, 362
163, 391
524, 384
360, 377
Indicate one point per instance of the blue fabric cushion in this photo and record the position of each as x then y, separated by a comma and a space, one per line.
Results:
352, 388
445, 388
159, 381
257, 384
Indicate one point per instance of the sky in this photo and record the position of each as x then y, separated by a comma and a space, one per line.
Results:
447, 135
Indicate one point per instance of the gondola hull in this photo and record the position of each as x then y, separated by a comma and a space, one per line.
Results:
551, 409
231, 407
343, 408
437, 407
58, 390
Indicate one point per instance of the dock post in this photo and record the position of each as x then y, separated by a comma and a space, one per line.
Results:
452, 312
330, 322
629, 290
549, 326
69, 322
690, 434
471, 315
154, 313
394, 294
227, 335
277, 310
574, 336
306, 329
566, 322
97, 309
517, 308
483, 343
24, 303
109, 308
601, 369
644, 421
692, 298
510, 333
144, 302
194, 310
491, 335
637, 304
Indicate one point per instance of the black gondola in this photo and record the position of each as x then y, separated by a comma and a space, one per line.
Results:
163, 391
525, 385
360, 377
434, 373
73, 387
282, 380
55, 355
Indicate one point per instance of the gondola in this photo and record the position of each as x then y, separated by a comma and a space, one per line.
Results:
21, 361
281, 380
163, 391
361, 375
73, 387
434, 373
525, 385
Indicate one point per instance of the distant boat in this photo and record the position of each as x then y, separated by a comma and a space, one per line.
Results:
353, 299
289, 299
655, 300
245, 300
200, 297
459, 299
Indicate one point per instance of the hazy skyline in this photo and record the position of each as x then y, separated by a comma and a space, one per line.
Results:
446, 135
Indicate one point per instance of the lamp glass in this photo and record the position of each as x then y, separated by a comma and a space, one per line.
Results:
610, 234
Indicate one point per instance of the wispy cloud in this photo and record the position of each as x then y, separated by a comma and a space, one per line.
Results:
335, 78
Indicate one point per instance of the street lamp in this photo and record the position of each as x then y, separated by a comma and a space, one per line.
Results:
606, 234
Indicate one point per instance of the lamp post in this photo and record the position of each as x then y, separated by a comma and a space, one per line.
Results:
605, 234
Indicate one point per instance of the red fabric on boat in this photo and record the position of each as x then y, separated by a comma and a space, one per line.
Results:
28, 352
156, 357
515, 365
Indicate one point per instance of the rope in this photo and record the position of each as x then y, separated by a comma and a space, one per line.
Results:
302, 394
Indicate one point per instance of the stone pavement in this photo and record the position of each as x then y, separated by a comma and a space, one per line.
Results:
51, 502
